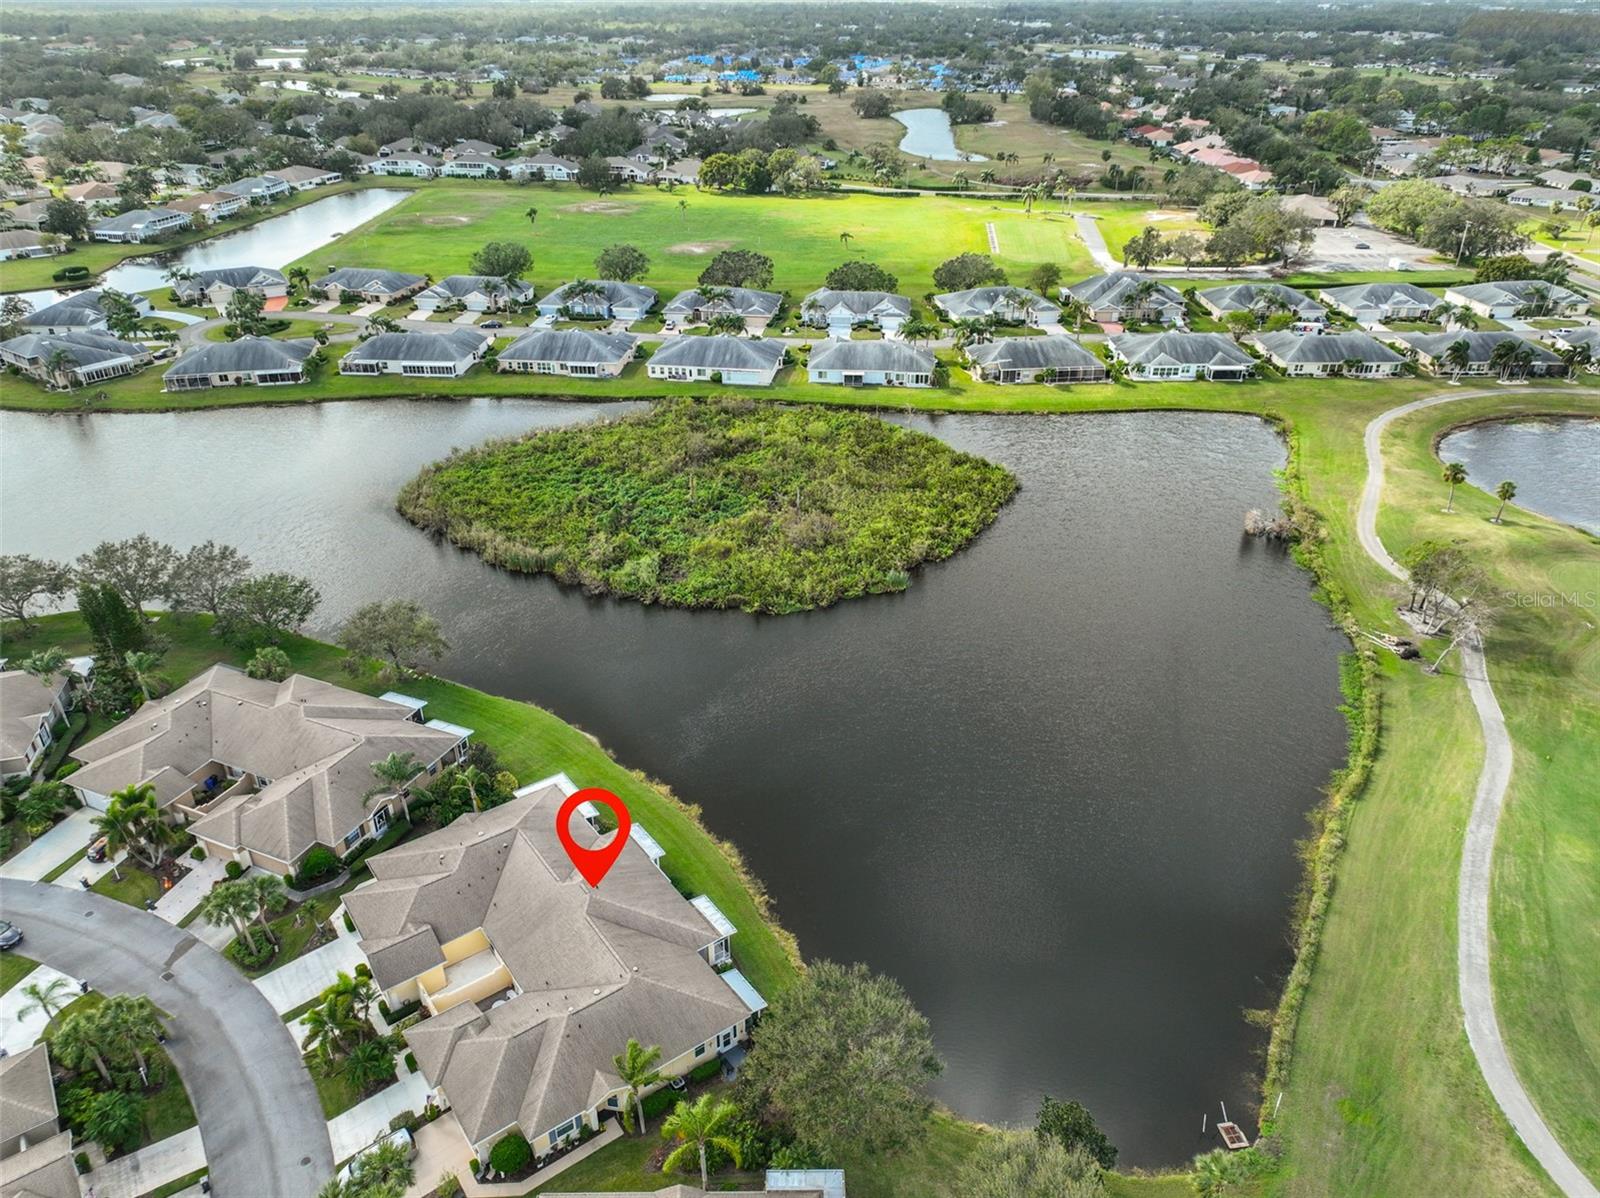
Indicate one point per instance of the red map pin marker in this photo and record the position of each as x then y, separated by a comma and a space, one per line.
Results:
595, 863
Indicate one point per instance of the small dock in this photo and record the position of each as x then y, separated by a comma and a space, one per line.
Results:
1232, 1136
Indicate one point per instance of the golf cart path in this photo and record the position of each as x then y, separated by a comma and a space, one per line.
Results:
1477, 855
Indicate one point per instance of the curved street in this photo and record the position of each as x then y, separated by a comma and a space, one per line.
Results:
1477, 857
260, 1119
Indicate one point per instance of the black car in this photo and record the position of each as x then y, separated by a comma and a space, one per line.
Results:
10, 936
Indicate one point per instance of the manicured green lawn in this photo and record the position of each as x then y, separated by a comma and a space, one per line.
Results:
14, 967
336, 1092
134, 887
61, 869
292, 328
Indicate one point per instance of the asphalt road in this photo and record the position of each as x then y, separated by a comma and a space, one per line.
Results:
260, 1120
1477, 857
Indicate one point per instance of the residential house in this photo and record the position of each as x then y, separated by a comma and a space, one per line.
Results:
545, 167
1375, 303
1313, 208
85, 357
1567, 180
1518, 297
140, 224
471, 146
447, 354
627, 168
470, 166
1258, 298
870, 364
35, 1154
682, 171
262, 771
155, 119
420, 166
24, 243
304, 178
1168, 357
1125, 295
841, 311
93, 195
474, 293
1432, 349
364, 284
246, 362
408, 145
585, 353
29, 711
256, 188
600, 299
702, 304
1545, 197
1583, 337
1052, 359
214, 205
24, 216
216, 287
1351, 355
82, 311
736, 361
1011, 305
491, 905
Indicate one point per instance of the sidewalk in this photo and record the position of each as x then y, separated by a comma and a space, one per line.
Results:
306, 977
17, 1033
54, 847
151, 1167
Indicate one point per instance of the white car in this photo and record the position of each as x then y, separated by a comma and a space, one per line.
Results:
399, 1136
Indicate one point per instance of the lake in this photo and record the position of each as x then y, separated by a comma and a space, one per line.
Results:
1555, 464
275, 242
928, 135
1053, 788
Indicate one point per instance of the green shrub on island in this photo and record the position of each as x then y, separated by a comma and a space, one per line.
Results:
720, 503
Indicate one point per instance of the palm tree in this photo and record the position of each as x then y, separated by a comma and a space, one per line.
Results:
267, 893
355, 990
917, 329
533, 215
1457, 356
726, 322
1505, 493
1503, 358
132, 821
299, 278
386, 1169
1074, 309
55, 366
45, 664
393, 773
370, 1062
697, 1126
329, 1027
231, 903
132, 1026
469, 779
80, 1041
141, 667
1455, 474
1577, 357
49, 997
683, 207
114, 1119
636, 1067
845, 238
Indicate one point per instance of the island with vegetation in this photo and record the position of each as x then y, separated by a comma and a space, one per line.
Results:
724, 503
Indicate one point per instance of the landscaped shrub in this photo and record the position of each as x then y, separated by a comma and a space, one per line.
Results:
234, 870
320, 863
511, 1155
399, 1014
662, 1101
349, 924
239, 953
80, 1161
411, 1063
197, 853
68, 274
706, 1070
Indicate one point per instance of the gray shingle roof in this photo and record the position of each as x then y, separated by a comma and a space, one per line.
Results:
450, 346
740, 301
1479, 345
82, 348
1114, 290
1328, 348
594, 966
1378, 295
230, 276
1248, 297
720, 353
1181, 349
247, 355
987, 301
82, 309
570, 345
898, 356
133, 219
1033, 353
860, 304
617, 294
27, 1099
459, 286
1518, 291
360, 278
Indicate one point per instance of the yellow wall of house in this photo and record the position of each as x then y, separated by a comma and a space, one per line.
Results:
463, 947
490, 983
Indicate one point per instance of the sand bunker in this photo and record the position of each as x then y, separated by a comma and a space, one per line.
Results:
699, 247
445, 220
599, 207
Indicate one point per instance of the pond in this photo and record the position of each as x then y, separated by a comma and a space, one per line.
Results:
928, 135
1053, 788
275, 242
1555, 464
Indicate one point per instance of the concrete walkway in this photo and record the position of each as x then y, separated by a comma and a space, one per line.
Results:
305, 977
1474, 978
18, 1031
368, 1121
1089, 230
192, 890
260, 1120
152, 1166
442, 1148
54, 847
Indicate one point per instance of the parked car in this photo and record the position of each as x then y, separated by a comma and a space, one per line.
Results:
96, 851
492, 324
399, 1136
1361, 245
10, 936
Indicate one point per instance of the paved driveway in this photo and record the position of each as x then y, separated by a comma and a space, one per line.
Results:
260, 1120
367, 1121
306, 977
54, 847
18, 1031
151, 1167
